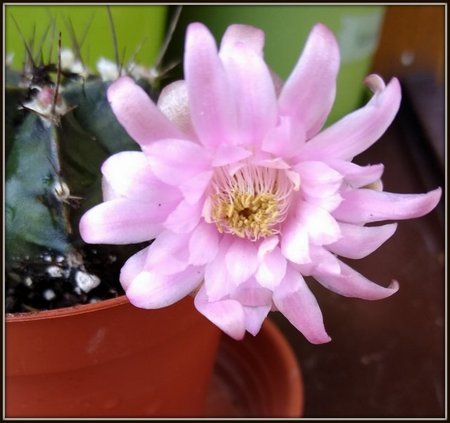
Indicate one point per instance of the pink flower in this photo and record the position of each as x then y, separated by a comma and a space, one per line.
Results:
242, 193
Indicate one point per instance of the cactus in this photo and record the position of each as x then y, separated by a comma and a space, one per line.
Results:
59, 130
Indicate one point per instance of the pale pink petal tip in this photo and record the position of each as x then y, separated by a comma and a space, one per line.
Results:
137, 113
228, 315
254, 37
352, 284
375, 83
150, 290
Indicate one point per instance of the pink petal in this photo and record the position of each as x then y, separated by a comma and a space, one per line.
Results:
320, 224
352, 284
318, 179
276, 163
328, 203
295, 300
267, 245
108, 192
150, 290
284, 139
271, 269
196, 186
246, 34
122, 221
359, 241
132, 267
357, 176
241, 260
366, 205
168, 253
321, 261
295, 241
218, 283
129, 174
138, 114
175, 161
212, 109
203, 244
185, 217
251, 294
228, 315
357, 131
254, 318
174, 104
228, 154
310, 221
309, 92
252, 86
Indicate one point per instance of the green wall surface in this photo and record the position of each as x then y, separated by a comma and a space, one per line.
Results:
134, 25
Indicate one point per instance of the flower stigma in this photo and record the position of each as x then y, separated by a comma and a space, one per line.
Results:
251, 202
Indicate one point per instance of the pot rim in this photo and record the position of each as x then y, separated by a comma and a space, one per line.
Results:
66, 311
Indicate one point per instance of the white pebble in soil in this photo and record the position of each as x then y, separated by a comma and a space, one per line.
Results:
55, 271
86, 282
49, 294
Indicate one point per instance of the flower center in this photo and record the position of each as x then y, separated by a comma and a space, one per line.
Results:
251, 202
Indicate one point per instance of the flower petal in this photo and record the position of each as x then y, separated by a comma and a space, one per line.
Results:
228, 315
174, 104
295, 300
309, 92
318, 179
195, 187
366, 205
254, 318
203, 244
185, 217
137, 113
357, 176
132, 267
295, 241
350, 283
168, 254
272, 269
129, 174
246, 34
241, 260
320, 224
218, 283
150, 290
321, 261
251, 294
122, 221
227, 154
285, 139
252, 87
357, 131
212, 109
175, 161
359, 241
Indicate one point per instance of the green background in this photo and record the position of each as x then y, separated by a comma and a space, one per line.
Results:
134, 25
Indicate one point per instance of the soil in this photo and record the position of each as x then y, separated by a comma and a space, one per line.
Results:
50, 281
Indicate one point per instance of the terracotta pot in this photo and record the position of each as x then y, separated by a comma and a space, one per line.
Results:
109, 359
257, 377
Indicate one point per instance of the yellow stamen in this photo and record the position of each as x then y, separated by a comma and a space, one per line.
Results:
250, 203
